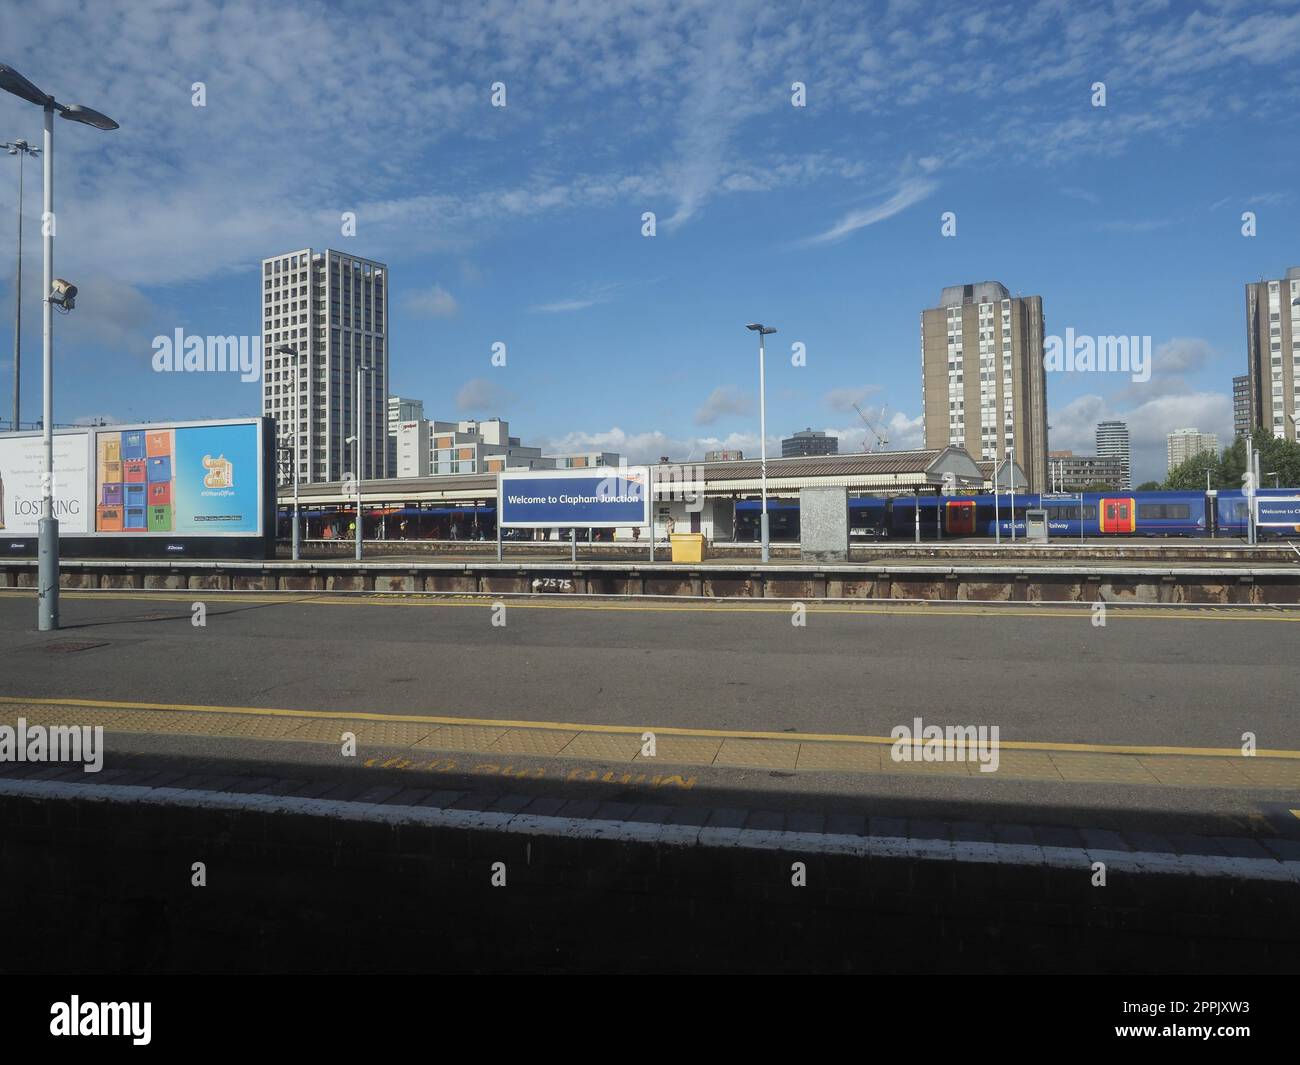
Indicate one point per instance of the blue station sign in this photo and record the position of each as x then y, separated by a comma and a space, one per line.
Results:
602, 497
1277, 511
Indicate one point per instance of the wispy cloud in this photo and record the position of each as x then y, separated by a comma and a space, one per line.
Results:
1145, 225
911, 191
1076, 193
592, 298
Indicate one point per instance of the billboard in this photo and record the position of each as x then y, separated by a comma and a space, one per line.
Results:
22, 464
1273, 512
165, 480
599, 498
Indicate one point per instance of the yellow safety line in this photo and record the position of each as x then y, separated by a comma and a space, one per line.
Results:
756, 606
789, 737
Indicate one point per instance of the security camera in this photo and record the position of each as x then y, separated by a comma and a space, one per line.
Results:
64, 293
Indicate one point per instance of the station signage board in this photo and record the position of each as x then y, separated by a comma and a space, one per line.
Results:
600, 497
1277, 512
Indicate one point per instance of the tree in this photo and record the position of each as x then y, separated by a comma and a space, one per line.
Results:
1281, 457
1190, 474
1149, 486
1233, 463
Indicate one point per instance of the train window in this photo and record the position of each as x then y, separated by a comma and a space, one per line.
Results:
1150, 511
1061, 513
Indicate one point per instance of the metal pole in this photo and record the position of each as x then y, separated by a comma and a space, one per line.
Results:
762, 446
1254, 525
650, 509
1250, 495
573, 537
48, 531
296, 428
498, 530
916, 521
997, 519
1013, 505
18, 302
356, 461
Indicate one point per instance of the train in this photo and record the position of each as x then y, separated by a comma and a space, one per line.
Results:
1221, 513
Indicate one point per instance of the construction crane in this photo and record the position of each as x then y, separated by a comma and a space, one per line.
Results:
881, 439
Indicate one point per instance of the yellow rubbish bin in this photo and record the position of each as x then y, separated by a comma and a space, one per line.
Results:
688, 547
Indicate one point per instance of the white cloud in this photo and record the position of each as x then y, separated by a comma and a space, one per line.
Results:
435, 302
844, 398
1074, 426
910, 192
597, 295
723, 400
479, 395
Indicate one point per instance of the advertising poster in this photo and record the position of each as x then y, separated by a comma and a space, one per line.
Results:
22, 461
197, 479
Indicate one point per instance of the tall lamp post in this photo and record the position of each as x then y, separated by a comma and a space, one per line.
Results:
762, 331
20, 149
284, 349
48, 551
997, 518
1012, 474
355, 440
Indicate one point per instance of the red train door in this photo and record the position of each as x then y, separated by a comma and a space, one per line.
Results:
1118, 515
961, 517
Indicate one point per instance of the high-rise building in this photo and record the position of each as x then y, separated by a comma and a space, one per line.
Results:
1112, 443
1068, 472
1273, 354
433, 448
1242, 422
1004, 388
809, 442
332, 308
1182, 444
400, 410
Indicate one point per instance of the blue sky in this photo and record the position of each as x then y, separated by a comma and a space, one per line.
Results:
523, 225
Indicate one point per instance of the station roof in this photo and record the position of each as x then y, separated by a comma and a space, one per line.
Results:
882, 471
1009, 475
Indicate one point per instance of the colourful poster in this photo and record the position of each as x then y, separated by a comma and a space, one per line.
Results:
195, 479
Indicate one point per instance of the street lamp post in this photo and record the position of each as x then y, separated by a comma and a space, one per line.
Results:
762, 331
48, 550
997, 517
1010, 453
20, 149
357, 453
284, 349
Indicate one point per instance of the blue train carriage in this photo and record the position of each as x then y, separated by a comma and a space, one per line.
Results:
868, 518
1164, 513
782, 520
1231, 516
1069, 516
962, 516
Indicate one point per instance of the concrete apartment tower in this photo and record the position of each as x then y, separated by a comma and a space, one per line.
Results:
1273, 353
1182, 444
1112, 443
983, 383
332, 308
1242, 420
